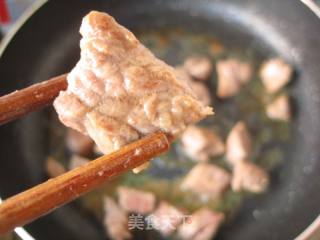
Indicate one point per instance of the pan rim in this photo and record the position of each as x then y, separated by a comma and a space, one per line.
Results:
312, 6
308, 233
19, 24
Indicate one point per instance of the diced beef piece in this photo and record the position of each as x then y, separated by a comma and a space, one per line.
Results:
199, 90
54, 168
115, 220
232, 75
279, 109
77, 161
78, 143
275, 74
201, 225
207, 180
166, 218
119, 91
137, 201
199, 67
238, 146
249, 177
201, 143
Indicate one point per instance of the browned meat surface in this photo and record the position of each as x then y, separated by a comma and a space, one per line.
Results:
279, 109
207, 180
199, 67
54, 168
119, 90
232, 75
275, 74
78, 143
201, 143
77, 161
203, 225
133, 200
249, 177
115, 220
166, 218
238, 145
199, 90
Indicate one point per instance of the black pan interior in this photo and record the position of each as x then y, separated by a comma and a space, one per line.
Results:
47, 45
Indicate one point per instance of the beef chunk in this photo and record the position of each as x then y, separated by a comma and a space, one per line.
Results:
199, 67
232, 75
250, 177
115, 220
202, 225
207, 180
238, 146
279, 109
275, 74
119, 91
201, 143
137, 201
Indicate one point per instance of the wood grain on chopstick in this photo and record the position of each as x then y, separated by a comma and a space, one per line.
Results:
35, 202
33, 98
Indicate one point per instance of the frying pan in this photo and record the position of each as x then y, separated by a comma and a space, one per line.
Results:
47, 45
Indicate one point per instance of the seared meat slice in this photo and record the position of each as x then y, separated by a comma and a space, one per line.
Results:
77, 161
207, 180
201, 143
199, 90
115, 220
275, 74
232, 75
54, 168
238, 146
166, 218
250, 177
78, 143
202, 225
199, 67
119, 91
279, 109
137, 201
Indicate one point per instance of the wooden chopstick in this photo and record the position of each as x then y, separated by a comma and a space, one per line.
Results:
33, 98
41, 199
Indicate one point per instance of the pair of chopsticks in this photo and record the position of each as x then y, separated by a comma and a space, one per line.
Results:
33, 98
42, 199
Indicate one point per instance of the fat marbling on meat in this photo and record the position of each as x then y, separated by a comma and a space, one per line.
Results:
119, 91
